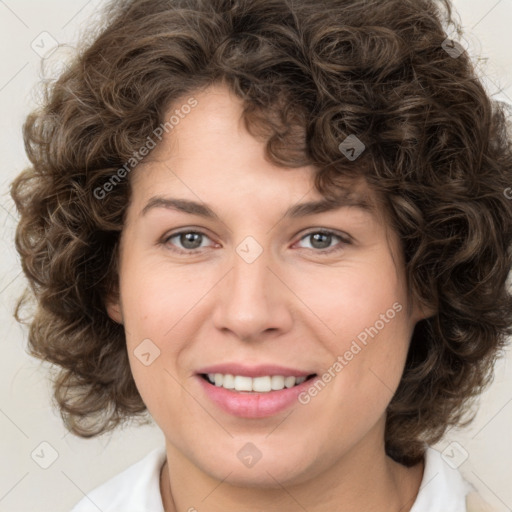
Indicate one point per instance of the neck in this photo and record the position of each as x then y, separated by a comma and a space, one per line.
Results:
375, 482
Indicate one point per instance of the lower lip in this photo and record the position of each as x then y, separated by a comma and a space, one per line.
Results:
253, 405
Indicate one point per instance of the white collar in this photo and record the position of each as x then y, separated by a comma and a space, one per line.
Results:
442, 488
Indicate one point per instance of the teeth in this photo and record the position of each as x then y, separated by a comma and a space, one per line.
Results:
277, 382
241, 383
258, 384
228, 382
289, 382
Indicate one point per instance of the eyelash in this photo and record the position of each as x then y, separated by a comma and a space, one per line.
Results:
344, 240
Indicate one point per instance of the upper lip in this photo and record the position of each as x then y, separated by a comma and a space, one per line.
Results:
260, 370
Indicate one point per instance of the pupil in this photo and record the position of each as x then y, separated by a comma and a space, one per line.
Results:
317, 235
188, 238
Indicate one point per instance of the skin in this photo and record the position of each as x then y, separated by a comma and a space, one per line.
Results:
295, 305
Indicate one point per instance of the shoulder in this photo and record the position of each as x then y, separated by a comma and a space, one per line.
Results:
136, 489
443, 488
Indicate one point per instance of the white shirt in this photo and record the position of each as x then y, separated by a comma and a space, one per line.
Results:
137, 488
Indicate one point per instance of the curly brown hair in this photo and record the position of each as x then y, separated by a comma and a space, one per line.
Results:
310, 73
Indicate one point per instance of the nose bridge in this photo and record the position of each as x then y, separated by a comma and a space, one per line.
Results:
252, 300
249, 276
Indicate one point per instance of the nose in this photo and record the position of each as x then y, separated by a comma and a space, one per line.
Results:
252, 300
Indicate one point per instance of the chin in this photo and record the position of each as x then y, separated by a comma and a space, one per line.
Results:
268, 472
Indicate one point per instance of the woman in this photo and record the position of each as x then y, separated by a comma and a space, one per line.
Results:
281, 229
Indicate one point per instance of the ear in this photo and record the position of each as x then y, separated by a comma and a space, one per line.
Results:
421, 311
114, 309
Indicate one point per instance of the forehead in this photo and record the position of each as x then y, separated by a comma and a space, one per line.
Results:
209, 154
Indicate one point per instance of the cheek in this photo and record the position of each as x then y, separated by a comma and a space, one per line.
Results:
367, 363
156, 298
155, 303
352, 299
369, 332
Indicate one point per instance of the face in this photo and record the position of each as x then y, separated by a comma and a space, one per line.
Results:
239, 289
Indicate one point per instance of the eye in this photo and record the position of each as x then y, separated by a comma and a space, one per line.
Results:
191, 241
321, 241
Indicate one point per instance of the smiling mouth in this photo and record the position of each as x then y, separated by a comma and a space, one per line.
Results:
264, 384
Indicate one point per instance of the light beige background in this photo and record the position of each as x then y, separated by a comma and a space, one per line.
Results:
26, 416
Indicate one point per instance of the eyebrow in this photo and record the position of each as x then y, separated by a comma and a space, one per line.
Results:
295, 211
